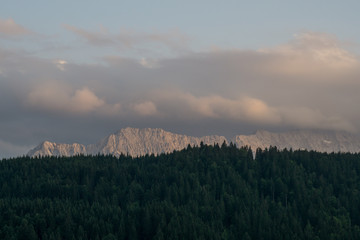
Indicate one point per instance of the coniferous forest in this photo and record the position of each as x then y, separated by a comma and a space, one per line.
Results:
205, 192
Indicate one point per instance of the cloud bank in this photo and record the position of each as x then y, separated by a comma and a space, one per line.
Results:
310, 82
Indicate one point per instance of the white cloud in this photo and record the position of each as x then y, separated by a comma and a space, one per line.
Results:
147, 108
55, 97
310, 53
85, 100
186, 105
60, 64
180, 105
149, 63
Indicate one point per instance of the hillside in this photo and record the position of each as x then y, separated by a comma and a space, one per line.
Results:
206, 192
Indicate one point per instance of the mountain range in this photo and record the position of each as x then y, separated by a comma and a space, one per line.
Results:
138, 142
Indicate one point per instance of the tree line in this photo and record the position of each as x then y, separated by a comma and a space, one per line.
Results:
205, 192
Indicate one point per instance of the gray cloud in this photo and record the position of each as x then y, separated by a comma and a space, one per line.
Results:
310, 82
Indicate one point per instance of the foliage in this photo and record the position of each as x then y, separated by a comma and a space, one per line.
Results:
206, 192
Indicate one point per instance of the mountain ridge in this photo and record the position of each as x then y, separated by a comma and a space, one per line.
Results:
321, 141
137, 142
132, 141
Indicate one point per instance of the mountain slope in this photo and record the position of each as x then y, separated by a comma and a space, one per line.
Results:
305, 139
138, 142
132, 141
47, 148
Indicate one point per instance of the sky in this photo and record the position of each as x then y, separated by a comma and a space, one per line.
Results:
76, 71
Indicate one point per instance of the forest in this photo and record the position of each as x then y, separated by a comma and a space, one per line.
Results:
204, 192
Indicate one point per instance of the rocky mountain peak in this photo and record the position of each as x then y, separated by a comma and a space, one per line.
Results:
132, 141
138, 142
322, 141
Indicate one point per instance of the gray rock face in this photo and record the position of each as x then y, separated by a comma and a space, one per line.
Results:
132, 141
57, 149
138, 142
310, 140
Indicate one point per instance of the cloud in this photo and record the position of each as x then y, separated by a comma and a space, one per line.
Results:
54, 97
186, 105
292, 85
309, 82
310, 53
85, 100
147, 108
8, 28
60, 64
305, 117
176, 104
149, 63
95, 38
174, 40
